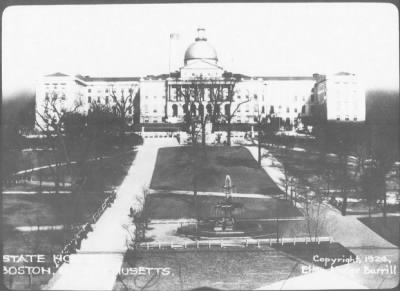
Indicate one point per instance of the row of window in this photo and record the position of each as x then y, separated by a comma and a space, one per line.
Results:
345, 83
146, 120
209, 108
155, 110
347, 118
107, 99
106, 90
99, 90
155, 97
54, 88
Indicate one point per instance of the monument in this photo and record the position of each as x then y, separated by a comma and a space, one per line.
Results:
227, 207
224, 223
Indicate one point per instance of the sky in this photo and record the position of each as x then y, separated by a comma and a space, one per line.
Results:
256, 39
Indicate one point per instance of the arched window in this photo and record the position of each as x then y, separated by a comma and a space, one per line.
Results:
227, 109
174, 110
272, 110
193, 109
201, 109
209, 108
217, 109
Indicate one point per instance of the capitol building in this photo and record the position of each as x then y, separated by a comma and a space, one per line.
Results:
202, 86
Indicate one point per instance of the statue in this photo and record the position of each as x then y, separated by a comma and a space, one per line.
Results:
227, 206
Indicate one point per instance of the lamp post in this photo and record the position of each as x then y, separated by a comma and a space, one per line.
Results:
291, 184
268, 124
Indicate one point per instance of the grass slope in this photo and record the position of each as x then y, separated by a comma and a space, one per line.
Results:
174, 206
220, 269
387, 228
175, 170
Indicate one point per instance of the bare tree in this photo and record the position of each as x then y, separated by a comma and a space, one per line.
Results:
312, 208
140, 216
122, 105
287, 181
384, 152
51, 116
229, 113
208, 95
264, 128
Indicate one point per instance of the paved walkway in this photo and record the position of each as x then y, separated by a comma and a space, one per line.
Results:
349, 232
27, 171
97, 263
52, 192
216, 194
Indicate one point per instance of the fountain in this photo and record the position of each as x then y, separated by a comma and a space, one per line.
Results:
227, 207
224, 223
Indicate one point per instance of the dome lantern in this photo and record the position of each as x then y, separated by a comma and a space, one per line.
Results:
201, 34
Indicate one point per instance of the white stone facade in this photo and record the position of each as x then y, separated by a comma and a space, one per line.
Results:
337, 97
341, 96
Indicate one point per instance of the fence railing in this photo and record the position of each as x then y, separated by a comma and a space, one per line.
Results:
75, 242
107, 203
234, 243
157, 134
170, 134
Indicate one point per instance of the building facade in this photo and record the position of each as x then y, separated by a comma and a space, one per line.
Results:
212, 90
338, 97
59, 93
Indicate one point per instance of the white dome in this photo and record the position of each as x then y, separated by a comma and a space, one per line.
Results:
200, 49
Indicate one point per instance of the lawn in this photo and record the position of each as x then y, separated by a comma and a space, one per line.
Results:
56, 209
308, 168
53, 209
325, 250
44, 243
388, 228
41, 154
49, 209
237, 269
175, 206
176, 167
223, 269
100, 174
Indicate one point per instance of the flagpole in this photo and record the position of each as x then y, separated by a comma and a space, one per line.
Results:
172, 36
169, 53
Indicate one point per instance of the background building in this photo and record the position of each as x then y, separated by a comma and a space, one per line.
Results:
161, 99
338, 97
58, 93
